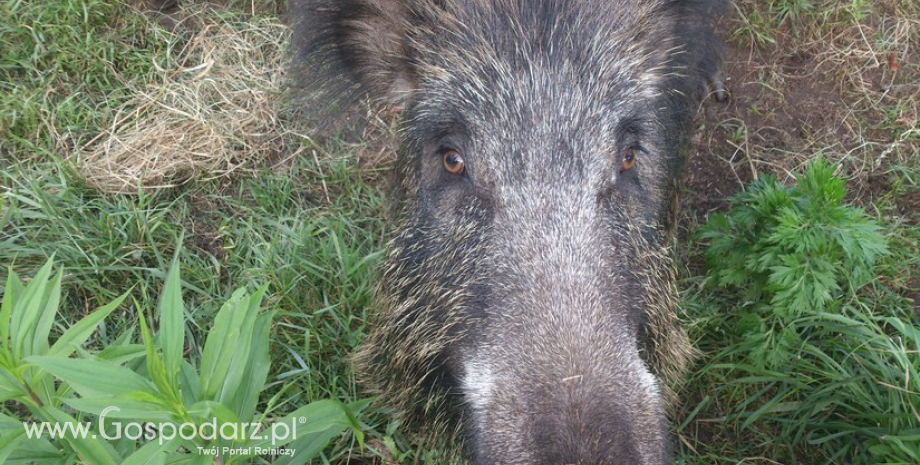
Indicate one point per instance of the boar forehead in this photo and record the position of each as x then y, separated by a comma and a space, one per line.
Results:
542, 93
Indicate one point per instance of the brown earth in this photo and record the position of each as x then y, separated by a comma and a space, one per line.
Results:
802, 96
760, 126
794, 99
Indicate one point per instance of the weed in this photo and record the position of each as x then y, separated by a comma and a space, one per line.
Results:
816, 357
149, 382
755, 29
790, 10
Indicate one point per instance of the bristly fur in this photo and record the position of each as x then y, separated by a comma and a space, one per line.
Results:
345, 51
471, 335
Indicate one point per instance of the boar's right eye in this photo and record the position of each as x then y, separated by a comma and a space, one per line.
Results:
453, 162
629, 159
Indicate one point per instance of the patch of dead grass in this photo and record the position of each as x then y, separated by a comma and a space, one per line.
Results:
214, 112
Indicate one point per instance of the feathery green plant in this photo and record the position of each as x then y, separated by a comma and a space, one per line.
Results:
809, 352
794, 251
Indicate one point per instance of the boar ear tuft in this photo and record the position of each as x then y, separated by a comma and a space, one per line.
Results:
346, 50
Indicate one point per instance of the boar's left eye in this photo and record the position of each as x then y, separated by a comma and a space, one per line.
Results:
453, 162
628, 160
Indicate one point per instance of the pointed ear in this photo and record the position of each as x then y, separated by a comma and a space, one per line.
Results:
345, 50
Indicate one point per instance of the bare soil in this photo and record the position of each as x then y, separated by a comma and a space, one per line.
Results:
759, 125
793, 99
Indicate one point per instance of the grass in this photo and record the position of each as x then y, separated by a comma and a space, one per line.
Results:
308, 220
838, 80
60, 61
308, 227
830, 381
316, 256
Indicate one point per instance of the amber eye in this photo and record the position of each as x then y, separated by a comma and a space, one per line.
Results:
629, 159
453, 162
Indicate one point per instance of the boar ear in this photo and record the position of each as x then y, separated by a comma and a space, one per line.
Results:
345, 50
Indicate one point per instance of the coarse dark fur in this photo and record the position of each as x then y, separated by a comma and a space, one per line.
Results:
529, 301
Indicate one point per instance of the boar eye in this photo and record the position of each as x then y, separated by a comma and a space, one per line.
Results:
453, 162
629, 157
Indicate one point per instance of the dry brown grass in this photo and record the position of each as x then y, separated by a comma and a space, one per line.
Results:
214, 112
832, 83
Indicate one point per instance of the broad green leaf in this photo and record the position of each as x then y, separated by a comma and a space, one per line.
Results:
68, 343
172, 322
145, 456
28, 309
8, 423
188, 383
121, 353
153, 453
192, 458
7, 394
239, 367
144, 396
90, 449
48, 313
9, 441
5, 360
352, 410
93, 378
228, 344
209, 409
213, 362
247, 393
125, 408
10, 377
11, 294
312, 418
154, 364
77, 334
34, 452
308, 446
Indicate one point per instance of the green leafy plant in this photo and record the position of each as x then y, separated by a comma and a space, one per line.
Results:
754, 28
810, 353
794, 251
151, 382
791, 9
